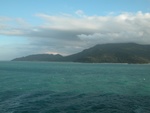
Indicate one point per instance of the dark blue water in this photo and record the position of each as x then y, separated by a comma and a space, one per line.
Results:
44, 87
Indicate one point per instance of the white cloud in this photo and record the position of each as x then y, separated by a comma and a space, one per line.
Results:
13, 26
80, 13
69, 34
4, 19
11, 32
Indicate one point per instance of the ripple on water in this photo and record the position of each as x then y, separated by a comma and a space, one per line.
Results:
52, 102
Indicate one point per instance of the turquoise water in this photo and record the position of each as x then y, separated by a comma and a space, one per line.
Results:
45, 87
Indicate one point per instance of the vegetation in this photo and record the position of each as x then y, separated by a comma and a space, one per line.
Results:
40, 57
104, 53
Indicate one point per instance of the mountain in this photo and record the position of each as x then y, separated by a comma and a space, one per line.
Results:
102, 53
40, 57
113, 53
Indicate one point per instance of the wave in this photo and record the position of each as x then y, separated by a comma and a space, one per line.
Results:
65, 102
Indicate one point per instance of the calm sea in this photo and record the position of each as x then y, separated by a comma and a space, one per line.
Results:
45, 87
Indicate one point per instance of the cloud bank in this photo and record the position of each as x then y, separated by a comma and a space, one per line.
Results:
68, 34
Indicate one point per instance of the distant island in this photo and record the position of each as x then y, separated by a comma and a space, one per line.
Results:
131, 53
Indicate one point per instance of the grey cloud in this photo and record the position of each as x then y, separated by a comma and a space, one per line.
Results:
53, 34
67, 34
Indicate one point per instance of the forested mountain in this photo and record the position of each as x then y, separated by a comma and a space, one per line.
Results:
101, 53
40, 57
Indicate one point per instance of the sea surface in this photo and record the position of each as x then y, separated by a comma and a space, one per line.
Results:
57, 87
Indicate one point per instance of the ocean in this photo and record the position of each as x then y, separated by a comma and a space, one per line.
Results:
60, 87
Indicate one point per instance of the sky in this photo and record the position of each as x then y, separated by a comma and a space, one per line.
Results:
69, 26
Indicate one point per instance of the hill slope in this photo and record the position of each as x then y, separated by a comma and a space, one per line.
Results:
104, 53
113, 53
40, 57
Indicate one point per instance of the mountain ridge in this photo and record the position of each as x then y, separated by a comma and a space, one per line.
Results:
104, 53
40, 57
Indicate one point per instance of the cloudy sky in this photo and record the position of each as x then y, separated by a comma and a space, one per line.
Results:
69, 26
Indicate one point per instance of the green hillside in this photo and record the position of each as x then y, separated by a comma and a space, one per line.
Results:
102, 53
114, 53
40, 57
